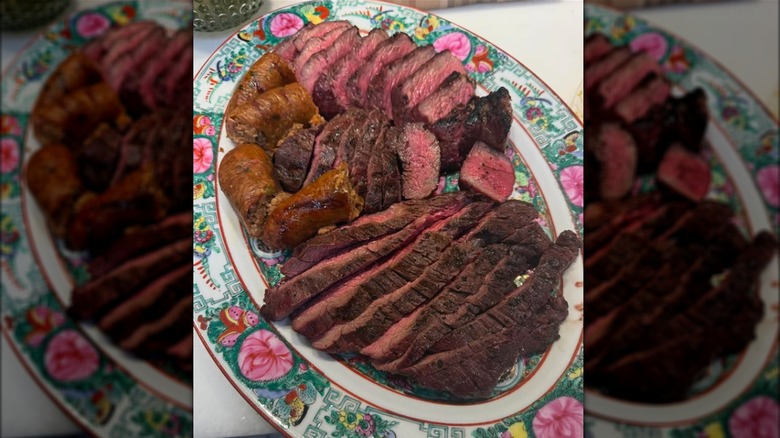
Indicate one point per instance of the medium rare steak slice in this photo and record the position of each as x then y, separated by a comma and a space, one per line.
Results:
322, 60
291, 294
289, 48
616, 154
608, 63
489, 172
596, 46
330, 90
95, 296
378, 96
327, 143
348, 300
455, 91
315, 46
396, 47
420, 161
423, 82
375, 123
367, 228
621, 81
642, 100
293, 157
378, 163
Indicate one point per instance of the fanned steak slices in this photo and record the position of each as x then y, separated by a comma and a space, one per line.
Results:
156, 336
330, 90
488, 172
293, 157
365, 229
600, 69
153, 301
596, 46
179, 43
290, 294
388, 51
315, 46
420, 161
375, 123
291, 47
136, 242
93, 297
619, 84
326, 144
455, 91
639, 103
348, 300
322, 60
378, 96
423, 82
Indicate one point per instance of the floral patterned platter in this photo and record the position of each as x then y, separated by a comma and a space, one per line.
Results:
106, 391
738, 397
303, 392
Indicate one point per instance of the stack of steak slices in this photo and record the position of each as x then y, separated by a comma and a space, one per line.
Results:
427, 289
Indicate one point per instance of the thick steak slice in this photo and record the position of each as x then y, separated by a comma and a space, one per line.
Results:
391, 194
375, 174
348, 300
639, 103
358, 165
455, 91
388, 51
322, 60
379, 90
327, 143
616, 153
604, 66
423, 83
489, 172
596, 46
420, 160
619, 84
314, 46
366, 228
289, 48
330, 90
293, 157
93, 297
289, 295
350, 138
156, 336
147, 88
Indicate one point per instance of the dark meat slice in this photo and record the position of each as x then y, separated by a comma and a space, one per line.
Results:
596, 46
135, 242
324, 59
93, 297
485, 119
689, 119
290, 294
327, 143
293, 156
347, 300
123, 64
685, 172
391, 192
379, 90
330, 90
153, 301
318, 46
388, 51
639, 103
423, 82
311, 31
488, 172
597, 71
366, 228
615, 152
420, 161
619, 84
375, 123
378, 164
180, 43
455, 91
154, 337
351, 137
270, 71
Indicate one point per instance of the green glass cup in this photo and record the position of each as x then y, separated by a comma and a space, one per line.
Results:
218, 15
18, 15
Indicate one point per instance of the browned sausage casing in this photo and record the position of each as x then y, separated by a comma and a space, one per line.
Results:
329, 200
270, 71
76, 71
246, 175
53, 179
266, 119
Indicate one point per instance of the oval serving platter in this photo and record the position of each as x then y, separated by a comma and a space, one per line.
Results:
301, 391
105, 390
738, 396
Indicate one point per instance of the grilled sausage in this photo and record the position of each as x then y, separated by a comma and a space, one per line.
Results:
270, 71
53, 179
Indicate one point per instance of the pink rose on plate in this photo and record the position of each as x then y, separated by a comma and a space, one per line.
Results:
286, 24
572, 180
92, 24
757, 418
9, 155
70, 357
457, 43
561, 418
654, 44
263, 356
768, 180
202, 155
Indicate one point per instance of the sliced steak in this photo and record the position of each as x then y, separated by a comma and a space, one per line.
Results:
420, 161
327, 143
596, 46
620, 82
639, 103
156, 336
378, 165
388, 51
290, 294
488, 172
351, 137
379, 90
375, 123
98, 157
293, 157
330, 90
616, 154
292, 46
604, 66
455, 91
423, 82
322, 60
366, 228
314, 46
394, 138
